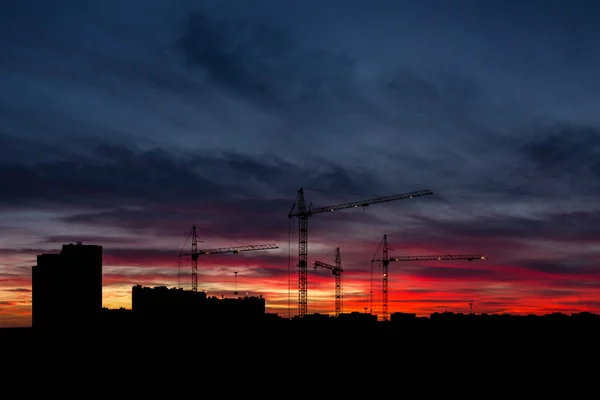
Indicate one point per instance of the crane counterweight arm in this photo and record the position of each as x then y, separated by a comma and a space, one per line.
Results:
361, 203
328, 266
322, 264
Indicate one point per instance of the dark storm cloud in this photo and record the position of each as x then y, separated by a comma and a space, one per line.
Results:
569, 153
236, 56
154, 191
113, 174
553, 162
134, 200
452, 273
261, 63
574, 268
449, 95
284, 176
267, 57
251, 57
575, 226
259, 219
119, 173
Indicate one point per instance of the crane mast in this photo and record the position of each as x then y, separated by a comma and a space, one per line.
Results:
336, 271
386, 259
303, 213
338, 282
384, 286
195, 253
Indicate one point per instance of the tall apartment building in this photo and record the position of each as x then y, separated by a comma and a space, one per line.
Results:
67, 287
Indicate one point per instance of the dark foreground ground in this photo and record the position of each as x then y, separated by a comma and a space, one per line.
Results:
315, 339
293, 359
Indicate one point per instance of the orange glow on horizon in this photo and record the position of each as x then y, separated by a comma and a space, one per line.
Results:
421, 287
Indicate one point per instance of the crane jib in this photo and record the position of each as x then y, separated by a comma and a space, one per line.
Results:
361, 203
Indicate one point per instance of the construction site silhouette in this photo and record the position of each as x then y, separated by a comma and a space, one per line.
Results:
162, 313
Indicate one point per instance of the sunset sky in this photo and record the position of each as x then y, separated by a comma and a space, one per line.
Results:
125, 123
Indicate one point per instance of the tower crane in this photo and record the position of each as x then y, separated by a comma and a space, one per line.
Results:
195, 253
302, 212
385, 261
336, 270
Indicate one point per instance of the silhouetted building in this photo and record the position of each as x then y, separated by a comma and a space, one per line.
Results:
399, 317
162, 305
356, 317
314, 318
242, 308
67, 287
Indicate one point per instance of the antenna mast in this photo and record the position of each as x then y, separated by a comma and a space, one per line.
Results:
235, 292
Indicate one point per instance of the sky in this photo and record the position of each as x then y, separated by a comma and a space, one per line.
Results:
123, 124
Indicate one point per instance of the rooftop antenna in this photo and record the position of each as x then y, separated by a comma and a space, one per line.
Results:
471, 307
235, 292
